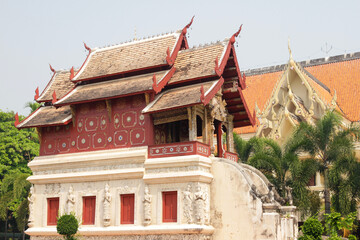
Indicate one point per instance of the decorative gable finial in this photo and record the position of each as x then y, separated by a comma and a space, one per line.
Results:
202, 96
333, 100
290, 53
72, 75
16, 120
51, 68
232, 39
184, 31
54, 100
36, 94
86, 47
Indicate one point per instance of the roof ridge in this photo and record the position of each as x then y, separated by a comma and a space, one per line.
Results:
305, 63
201, 46
133, 41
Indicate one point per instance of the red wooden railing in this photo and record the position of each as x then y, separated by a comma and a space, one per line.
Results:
231, 156
179, 149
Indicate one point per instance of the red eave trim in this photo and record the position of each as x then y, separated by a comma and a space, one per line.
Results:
119, 73
106, 98
48, 125
219, 69
17, 118
168, 109
206, 99
251, 118
158, 87
36, 98
242, 79
171, 59
72, 76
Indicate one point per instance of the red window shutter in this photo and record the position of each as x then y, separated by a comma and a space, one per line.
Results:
127, 208
89, 210
53, 209
169, 206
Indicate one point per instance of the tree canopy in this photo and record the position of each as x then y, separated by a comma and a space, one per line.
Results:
17, 148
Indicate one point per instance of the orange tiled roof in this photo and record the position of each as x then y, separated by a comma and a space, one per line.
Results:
340, 73
111, 89
47, 116
344, 77
197, 62
179, 97
128, 56
60, 83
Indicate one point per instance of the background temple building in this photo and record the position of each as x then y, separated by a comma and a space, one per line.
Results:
297, 92
127, 144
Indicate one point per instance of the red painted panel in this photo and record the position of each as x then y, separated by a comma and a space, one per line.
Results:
231, 156
89, 210
179, 149
53, 210
127, 208
169, 206
93, 130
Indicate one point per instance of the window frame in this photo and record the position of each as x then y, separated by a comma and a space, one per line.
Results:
49, 215
123, 219
172, 219
91, 221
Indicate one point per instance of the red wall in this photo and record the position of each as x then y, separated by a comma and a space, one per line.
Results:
93, 130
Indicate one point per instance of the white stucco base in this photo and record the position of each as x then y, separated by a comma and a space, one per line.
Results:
226, 210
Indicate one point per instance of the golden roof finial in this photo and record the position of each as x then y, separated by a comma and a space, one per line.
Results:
290, 53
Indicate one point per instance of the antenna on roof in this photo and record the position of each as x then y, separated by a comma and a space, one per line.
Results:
326, 50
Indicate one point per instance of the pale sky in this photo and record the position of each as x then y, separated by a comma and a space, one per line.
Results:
36, 33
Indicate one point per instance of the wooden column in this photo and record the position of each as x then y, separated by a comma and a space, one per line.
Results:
192, 123
205, 127
218, 139
229, 134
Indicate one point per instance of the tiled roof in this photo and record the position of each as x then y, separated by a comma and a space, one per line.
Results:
110, 89
179, 97
344, 77
47, 116
60, 83
340, 73
128, 56
197, 62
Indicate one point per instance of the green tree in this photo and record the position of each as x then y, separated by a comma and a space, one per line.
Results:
328, 142
14, 190
17, 147
283, 168
344, 183
244, 148
33, 106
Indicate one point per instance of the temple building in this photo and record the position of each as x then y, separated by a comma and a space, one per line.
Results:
301, 92
132, 144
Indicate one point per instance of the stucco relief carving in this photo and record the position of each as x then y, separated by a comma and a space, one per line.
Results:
135, 237
31, 200
147, 206
200, 198
178, 169
53, 188
107, 203
188, 208
86, 169
217, 108
70, 201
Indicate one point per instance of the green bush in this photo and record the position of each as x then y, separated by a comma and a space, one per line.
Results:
352, 237
334, 237
306, 237
67, 226
312, 228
